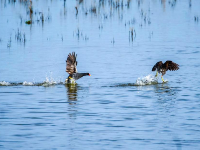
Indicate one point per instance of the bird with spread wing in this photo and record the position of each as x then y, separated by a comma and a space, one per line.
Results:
71, 64
159, 67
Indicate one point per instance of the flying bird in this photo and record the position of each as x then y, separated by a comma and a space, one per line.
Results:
71, 64
159, 67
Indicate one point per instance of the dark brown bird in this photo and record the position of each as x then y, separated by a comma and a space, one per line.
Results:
71, 64
159, 67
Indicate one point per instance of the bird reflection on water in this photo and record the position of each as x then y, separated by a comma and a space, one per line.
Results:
163, 100
71, 93
165, 92
167, 111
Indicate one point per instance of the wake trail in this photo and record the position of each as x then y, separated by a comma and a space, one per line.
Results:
47, 82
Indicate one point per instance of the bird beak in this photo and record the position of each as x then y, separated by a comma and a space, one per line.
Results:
89, 74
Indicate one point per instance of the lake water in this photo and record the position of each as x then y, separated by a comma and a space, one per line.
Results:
117, 42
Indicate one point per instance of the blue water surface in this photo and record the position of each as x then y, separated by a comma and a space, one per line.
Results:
117, 42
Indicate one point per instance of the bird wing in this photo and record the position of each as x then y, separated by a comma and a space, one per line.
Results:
71, 63
170, 65
157, 65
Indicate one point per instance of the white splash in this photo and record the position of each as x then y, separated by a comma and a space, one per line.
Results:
4, 83
49, 81
147, 80
25, 83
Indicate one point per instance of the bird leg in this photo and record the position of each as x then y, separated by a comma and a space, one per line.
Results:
162, 79
156, 74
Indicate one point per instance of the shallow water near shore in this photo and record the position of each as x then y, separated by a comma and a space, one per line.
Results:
122, 105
